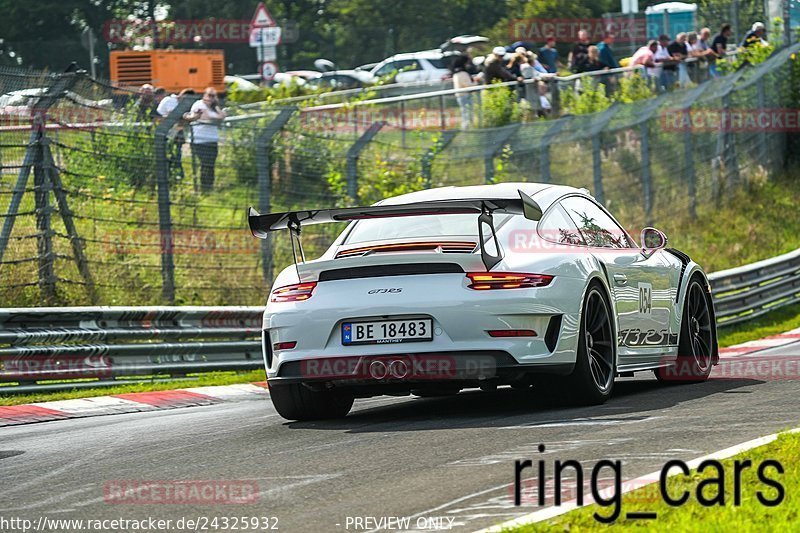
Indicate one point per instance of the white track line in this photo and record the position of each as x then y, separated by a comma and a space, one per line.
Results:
628, 486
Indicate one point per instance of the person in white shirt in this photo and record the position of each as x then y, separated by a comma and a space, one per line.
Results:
205, 116
462, 80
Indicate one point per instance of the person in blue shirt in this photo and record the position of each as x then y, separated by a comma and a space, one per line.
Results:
549, 55
606, 53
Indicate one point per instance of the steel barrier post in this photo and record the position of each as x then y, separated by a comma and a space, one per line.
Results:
264, 173
164, 211
351, 166
691, 177
492, 148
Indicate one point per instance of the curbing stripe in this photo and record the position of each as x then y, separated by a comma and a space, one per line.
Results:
629, 486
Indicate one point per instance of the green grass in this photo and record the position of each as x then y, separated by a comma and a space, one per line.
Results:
778, 321
751, 515
202, 380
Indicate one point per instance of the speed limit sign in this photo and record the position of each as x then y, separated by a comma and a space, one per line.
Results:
268, 70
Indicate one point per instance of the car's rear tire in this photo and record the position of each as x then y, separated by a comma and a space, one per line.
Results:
592, 380
697, 342
295, 401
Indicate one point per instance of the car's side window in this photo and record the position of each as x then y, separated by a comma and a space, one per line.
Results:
598, 229
391, 66
556, 226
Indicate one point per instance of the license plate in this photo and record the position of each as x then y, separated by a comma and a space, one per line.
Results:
387, 331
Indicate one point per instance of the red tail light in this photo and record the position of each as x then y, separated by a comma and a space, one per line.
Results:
511, 333
293, 293
481, 281
284, 345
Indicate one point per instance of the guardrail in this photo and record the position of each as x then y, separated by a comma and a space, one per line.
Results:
749, 291
113, 343
50, 348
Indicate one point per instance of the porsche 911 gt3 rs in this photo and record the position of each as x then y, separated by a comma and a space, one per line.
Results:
512, 284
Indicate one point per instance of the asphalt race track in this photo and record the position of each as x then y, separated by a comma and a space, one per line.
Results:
438, 457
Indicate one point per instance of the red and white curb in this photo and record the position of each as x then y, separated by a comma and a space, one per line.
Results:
551, 512
129, 403
773, 341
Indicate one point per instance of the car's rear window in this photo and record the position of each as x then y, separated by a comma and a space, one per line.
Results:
380, 229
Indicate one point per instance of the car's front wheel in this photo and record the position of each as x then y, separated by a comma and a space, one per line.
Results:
295, 401
697, 342
592, 379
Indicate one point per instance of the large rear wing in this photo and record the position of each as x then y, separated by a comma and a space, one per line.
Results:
483, 208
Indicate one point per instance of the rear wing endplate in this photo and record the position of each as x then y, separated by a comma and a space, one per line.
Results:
262, 224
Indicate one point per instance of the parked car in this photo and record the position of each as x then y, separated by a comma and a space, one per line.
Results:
430, 65
460, 43
339, 80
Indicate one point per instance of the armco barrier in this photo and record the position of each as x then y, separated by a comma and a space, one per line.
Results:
752, 290
108, 343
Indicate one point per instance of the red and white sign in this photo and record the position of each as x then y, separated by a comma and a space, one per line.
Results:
268, 70
262, 18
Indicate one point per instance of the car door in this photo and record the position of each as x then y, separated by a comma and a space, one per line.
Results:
640, 283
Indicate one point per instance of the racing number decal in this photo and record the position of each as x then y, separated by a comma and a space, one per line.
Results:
645, 298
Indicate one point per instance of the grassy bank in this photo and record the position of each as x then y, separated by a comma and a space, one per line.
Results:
751, 515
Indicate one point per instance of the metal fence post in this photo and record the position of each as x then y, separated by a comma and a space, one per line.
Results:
44, 229
544, 146
556, 96
77, 243
442, 122
730, 158
351, 167
264, 173
691, 177
763, 153
502, 135
647, 178
597, 168
445, 138
33, 153
162, 183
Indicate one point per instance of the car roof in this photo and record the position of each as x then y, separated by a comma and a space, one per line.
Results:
499, 190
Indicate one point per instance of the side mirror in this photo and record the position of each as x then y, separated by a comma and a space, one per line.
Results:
652, 240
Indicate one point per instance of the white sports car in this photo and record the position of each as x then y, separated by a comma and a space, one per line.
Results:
512, 284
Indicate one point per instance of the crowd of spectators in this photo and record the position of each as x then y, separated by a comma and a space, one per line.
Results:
665, 62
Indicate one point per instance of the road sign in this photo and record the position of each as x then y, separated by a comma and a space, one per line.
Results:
266, 53
268, 70
262, 18
265, 37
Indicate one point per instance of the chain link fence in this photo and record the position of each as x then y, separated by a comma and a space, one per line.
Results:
100, 203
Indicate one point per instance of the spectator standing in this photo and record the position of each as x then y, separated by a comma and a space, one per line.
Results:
177, 136
549, 55
606, 53
678, 50
719, 47
593, 62
146, 104
463, 80
754, 36
579, 56
663, 59
205, 116
494, 69
645, 56
704, 42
